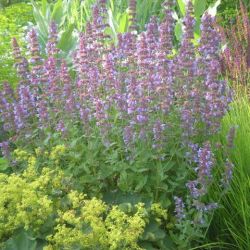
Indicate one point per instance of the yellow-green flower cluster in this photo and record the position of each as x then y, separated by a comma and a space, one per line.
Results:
30, 199
23, 202
56, 153
92, 224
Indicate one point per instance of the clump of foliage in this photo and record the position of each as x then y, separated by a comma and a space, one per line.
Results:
236, 56
230, 222
228, 11
138, 117
12, 21
56, 216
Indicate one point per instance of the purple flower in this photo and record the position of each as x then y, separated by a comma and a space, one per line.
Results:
179, 208
206, 163
228, 173
158, 134
61, 127
128, 135
231, 137
4, 146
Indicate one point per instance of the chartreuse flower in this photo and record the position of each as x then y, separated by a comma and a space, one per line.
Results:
30, 199
93, 224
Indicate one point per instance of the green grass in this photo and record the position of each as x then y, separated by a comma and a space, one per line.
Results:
231, 222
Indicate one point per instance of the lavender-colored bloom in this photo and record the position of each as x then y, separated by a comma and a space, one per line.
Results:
195, 189
128, 135
158, 134
206, 163
205, 159
6, 114
36, 61
132, 13
26, 99
51, 73
202, 210
192, 152
19, 116
179, 208
42, 112
61, 127
231, 137
5, 148
68, 90
217, 94
85, 115
142, 111
21, 63
200, 206
228, 173
51, 48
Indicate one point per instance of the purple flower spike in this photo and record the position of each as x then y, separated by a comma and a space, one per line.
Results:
4, 146
179, 208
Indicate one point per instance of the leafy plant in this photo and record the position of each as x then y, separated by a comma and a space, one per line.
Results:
13, 19
229, 224
43, 210
200, 7
228, 11
134, 118
236, 56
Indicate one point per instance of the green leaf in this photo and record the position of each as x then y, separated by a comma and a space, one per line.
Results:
41, 23
21, 241
153, 232
178, 30
182, 6
57, 13
67, 40
212, 10
199, 7
3, 164
142, 182
123, 22
44, 6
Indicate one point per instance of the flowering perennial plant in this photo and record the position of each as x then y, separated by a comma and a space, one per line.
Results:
137, 80
138, 91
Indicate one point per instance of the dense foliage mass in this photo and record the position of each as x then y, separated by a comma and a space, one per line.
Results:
236, 56
129, 142
12, 22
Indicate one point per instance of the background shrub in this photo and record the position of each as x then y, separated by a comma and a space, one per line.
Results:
13, 19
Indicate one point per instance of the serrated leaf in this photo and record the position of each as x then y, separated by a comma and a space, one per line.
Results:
21, 241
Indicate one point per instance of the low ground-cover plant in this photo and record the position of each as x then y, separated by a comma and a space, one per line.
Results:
137, 118
43, 209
